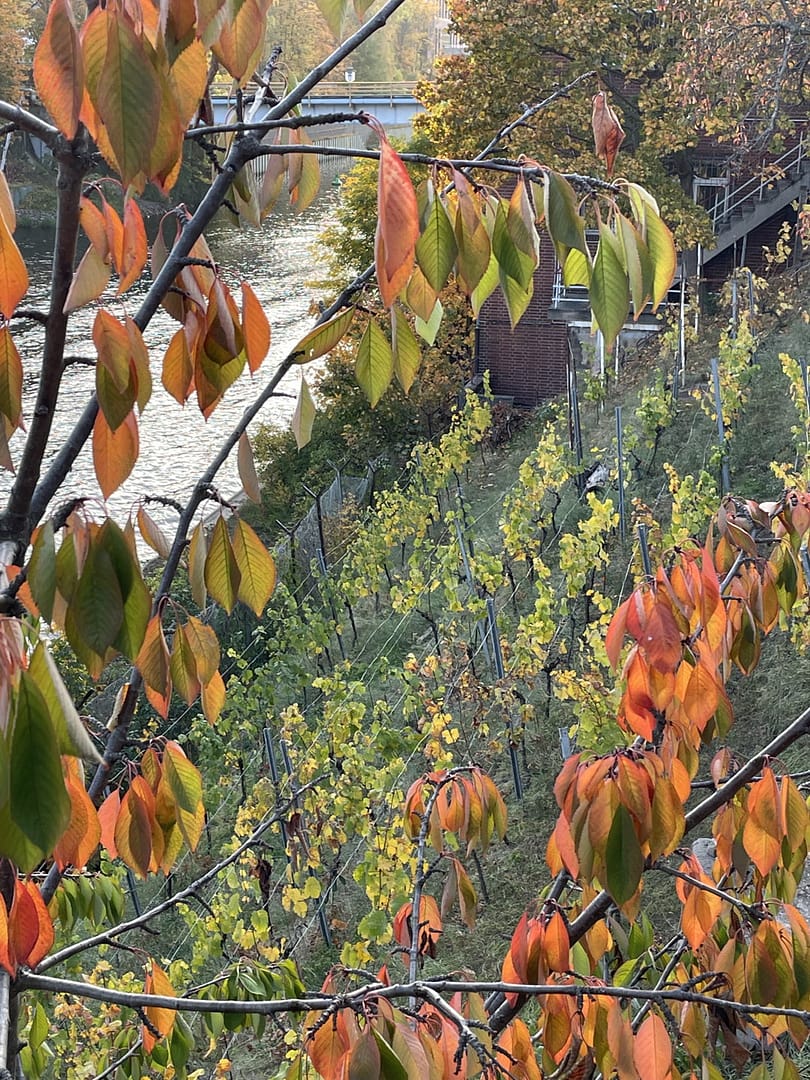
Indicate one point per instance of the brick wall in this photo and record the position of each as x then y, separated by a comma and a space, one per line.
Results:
528, 363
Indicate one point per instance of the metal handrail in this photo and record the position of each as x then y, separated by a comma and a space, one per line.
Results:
755, 187
336, 89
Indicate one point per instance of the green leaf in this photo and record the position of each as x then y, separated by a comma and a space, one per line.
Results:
72, 737
38, 802
334, 11
405, 347
485, 287
222, 575
637, 263
517, 297
323, 338
137, 601
610, 295
472, 242
436, 248
185, 784
96, 611
256, 568
374, 367
623, 858
663, 256
304, 415
577, 269
565, 227
42, 571
513, 262
391, 1068
124, 88
427, 330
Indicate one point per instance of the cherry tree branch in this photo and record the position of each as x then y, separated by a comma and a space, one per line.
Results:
424, 990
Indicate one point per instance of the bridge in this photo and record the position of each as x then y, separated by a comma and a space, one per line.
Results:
393, 103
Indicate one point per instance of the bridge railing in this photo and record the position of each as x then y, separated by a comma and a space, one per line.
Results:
336, 88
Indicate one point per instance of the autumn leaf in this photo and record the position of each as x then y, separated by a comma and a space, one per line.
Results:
608, 133
397, 222
58, 67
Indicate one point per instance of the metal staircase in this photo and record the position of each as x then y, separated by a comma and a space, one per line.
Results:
741, 208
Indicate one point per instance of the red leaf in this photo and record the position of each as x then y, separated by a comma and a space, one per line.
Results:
652, 1049
397, 222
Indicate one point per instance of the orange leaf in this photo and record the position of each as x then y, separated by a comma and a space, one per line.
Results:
8, 961
162, 1019
13, 272
178, 369
763, 829
133, 248
397, 222
556, 943
83, 833
652, 1049
58, 68
114, 452
107, 817
133, 829
44, 926
154, 665
213, 697
256, 328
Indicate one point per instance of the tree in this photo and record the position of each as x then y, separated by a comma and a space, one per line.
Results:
124, 87
673, 73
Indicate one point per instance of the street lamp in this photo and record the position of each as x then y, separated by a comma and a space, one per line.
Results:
349, 75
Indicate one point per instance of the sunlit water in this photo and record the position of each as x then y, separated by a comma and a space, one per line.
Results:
280, 261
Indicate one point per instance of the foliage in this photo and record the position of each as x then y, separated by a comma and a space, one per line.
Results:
341, 796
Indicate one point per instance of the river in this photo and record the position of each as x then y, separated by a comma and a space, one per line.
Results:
279, 261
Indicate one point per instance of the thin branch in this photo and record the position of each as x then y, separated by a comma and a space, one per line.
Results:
425, 990
753, 911
34, 125
261, 127
113, 1068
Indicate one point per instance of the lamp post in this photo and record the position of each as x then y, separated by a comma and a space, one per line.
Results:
349, 75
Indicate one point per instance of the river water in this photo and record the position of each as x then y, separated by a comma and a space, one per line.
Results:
279, 261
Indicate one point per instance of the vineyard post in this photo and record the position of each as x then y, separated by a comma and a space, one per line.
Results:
5, 985
735, 304
682, 330
721, 428
321, 560
575, 426
500, 673
751, 302
645, 550
620, 469
805, 382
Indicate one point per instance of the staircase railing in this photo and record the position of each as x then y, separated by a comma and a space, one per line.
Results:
756, 188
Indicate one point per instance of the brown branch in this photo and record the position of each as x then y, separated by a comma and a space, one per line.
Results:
425, 990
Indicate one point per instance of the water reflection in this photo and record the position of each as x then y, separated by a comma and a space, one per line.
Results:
279, 261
